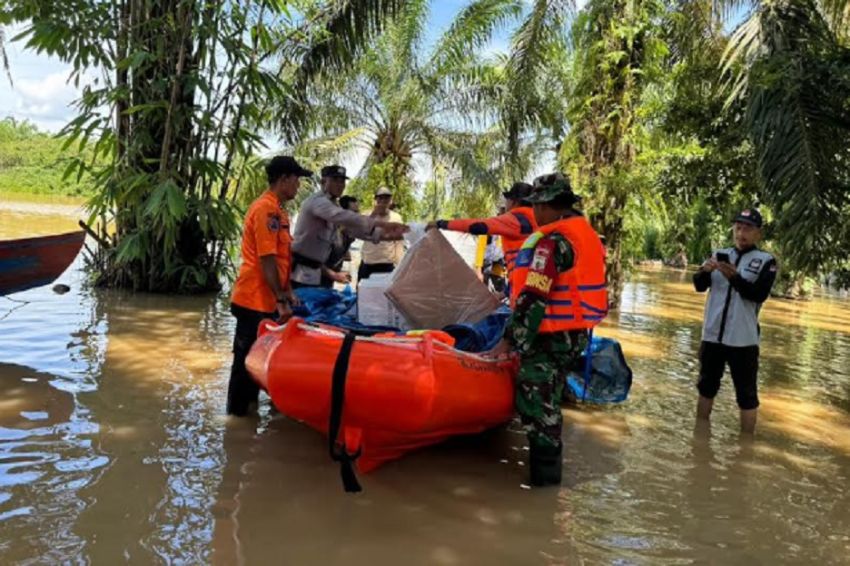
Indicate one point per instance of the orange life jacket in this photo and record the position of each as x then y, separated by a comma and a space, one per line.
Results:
578, 298
511, 246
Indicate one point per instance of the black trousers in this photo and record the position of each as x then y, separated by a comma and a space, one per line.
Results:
367, 269
743, 365
242, 389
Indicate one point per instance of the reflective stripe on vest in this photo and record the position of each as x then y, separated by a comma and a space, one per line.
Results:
511, 246
579, 297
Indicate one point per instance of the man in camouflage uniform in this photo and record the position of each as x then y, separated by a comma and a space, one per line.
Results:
545, 357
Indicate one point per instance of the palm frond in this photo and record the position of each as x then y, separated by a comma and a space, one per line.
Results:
727, 10
744, 47
4, 58
472, 29
542, 29
800, 125
407, 32
340, 33
837, 13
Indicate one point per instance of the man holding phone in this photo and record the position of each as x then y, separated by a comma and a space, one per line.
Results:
740, 280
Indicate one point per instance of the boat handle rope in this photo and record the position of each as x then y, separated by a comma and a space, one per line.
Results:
338, 450
272, 327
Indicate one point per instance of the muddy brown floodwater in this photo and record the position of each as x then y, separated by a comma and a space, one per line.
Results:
114, 448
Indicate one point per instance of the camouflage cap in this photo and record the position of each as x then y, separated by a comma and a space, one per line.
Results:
548, 187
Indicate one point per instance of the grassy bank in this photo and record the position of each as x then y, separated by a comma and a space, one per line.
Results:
33, 162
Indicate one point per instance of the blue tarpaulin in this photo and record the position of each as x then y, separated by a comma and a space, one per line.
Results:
336, 308
608, 378
339, 309
482, 336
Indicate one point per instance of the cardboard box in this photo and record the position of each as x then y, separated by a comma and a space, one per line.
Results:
434, 287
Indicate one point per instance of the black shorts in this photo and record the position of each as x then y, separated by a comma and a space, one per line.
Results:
743, 365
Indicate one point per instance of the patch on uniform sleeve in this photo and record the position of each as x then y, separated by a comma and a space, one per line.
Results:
273, 222
538, 283
541, 256
541, 272
754, 266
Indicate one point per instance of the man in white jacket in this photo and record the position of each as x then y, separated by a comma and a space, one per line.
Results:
740, 279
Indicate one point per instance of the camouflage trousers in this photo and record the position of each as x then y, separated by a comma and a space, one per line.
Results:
540, 384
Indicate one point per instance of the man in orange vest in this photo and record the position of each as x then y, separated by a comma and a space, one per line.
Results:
562, 295
514, 226
262, 289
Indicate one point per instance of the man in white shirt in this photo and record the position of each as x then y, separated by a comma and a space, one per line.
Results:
381, 257
739, 280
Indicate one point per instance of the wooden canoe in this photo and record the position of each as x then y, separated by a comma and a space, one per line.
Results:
33, 262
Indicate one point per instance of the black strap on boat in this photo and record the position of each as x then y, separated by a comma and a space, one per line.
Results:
337, 449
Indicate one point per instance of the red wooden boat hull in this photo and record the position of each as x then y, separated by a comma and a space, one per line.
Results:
33, 262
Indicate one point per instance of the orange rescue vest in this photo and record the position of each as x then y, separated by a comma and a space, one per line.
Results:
578, 298
511, 246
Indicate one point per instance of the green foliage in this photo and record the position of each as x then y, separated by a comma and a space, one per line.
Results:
799, 116
385, 174
667, 124
34, 162
401, 102
174, 123
620, 50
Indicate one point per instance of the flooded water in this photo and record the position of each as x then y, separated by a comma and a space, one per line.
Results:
114, 448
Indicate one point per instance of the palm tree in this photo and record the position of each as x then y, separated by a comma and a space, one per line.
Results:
537, 73
402, 102
188, 86
618, 51
789, 61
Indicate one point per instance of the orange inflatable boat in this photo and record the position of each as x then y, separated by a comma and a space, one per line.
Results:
379, 397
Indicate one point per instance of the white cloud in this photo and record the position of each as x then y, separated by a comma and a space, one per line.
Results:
40, 91
53, 87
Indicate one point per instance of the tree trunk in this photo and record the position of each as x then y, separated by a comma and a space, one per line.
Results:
610, 226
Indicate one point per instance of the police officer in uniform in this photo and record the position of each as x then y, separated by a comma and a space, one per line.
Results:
315, 230
340, 252
739, 280
562, 294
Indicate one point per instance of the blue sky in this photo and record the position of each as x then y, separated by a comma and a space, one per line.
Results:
41, 93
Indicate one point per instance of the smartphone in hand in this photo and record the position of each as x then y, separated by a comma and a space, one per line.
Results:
723, 256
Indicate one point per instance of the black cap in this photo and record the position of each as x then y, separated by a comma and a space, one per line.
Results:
281, 165
337, 171
518, 191
749, 216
